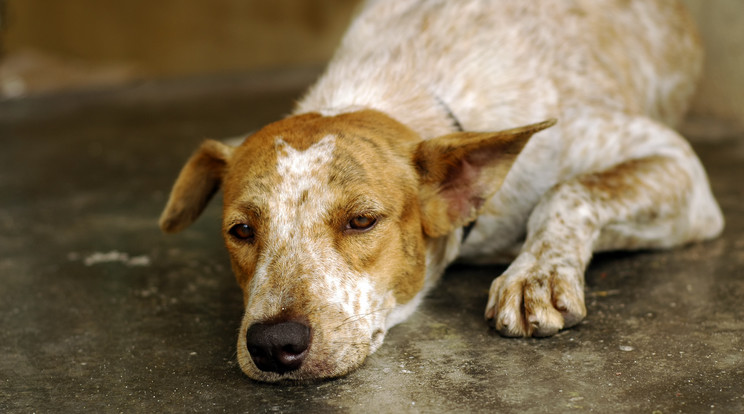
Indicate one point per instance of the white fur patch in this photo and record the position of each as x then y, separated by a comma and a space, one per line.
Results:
300, 173
300, 176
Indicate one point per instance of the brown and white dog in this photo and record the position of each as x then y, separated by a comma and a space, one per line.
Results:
341, 217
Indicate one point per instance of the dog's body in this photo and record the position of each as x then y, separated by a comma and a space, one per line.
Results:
340, 218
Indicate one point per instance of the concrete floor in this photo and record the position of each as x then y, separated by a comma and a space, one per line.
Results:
101, 313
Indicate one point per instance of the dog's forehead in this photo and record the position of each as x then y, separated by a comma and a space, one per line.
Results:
260, 168
286, 138
291, 161
278, 148
301, 173
364, 153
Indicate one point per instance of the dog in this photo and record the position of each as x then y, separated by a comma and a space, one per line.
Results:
474, 130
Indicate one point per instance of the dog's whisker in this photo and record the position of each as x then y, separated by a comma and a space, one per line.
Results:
357, 317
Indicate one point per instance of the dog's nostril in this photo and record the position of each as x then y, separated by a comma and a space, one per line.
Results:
279, 347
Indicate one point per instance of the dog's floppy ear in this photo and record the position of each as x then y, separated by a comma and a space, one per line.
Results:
196, 184
460, 171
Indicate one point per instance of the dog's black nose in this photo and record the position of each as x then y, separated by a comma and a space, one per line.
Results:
278, 347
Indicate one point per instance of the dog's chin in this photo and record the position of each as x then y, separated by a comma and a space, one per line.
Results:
310, 372
298, 376
332, 364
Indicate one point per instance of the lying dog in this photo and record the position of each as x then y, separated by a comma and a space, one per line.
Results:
342, 216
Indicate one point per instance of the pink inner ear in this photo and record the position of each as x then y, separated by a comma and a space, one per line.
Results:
460, 190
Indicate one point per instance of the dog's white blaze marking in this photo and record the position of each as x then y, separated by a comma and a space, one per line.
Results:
259, 276
299, 172
303, 174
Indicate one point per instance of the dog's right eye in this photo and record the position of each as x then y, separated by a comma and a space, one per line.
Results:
242, 232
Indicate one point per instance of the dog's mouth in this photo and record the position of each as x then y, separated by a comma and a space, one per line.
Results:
293, 351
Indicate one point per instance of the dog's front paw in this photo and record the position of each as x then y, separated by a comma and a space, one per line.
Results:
533, 299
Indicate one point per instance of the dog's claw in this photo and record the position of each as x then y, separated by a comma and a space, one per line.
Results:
572, 315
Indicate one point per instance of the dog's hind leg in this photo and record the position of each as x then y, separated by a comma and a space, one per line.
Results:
659, 200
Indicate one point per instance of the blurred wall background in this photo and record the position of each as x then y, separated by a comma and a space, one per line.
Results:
721, 91
51, 45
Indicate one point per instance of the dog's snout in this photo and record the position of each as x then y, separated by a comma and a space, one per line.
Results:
278, 347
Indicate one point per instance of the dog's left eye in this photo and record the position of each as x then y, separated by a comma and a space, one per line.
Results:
361, 223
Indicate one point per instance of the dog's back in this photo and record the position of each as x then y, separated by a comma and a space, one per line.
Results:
497, 64
493, 65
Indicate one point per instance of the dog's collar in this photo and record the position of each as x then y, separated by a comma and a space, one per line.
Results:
455, 122
458, 126
467, 229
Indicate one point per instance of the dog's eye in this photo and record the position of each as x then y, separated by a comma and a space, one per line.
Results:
242, 232
361, 223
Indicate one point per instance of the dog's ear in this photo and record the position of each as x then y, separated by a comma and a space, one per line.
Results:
196, 184
460, 171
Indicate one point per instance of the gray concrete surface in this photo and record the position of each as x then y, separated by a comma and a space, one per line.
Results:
99, 312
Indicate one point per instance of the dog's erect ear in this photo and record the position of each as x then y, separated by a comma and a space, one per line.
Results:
196, 184
460, 171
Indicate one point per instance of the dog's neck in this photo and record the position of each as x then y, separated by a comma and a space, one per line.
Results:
451, 115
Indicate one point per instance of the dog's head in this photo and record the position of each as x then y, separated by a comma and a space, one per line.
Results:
328, 221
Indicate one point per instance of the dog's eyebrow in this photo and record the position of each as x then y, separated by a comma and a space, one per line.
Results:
250, 208
345, 169
362, 205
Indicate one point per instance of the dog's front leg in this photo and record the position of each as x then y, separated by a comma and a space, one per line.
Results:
643, 203
542, 291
